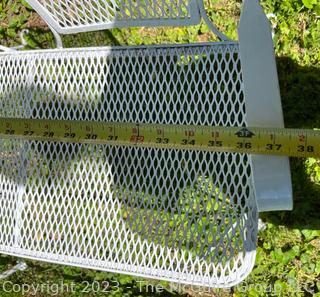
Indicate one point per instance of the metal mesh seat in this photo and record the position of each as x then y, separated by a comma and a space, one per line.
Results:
139, 210
177, 215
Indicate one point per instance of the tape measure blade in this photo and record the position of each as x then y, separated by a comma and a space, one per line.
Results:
267, 141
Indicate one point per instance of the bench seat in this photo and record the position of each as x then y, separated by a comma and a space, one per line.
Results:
170, 214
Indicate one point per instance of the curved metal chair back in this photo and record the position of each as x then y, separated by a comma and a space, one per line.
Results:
67, 16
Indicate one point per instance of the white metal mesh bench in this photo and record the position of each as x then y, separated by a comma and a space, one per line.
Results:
177, 215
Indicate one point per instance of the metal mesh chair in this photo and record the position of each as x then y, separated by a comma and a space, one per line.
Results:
177, 215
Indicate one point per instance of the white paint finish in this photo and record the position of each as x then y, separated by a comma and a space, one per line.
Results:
263, 103
272, 183
115, 195
69, 17
124, 13
129, 209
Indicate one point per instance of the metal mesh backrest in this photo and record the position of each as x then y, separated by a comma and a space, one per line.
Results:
70, 16
186, 216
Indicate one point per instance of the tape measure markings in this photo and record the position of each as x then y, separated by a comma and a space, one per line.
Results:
270, 141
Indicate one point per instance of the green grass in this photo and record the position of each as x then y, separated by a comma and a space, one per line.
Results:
288, 253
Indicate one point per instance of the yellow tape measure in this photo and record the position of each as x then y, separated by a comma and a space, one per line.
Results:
270, 141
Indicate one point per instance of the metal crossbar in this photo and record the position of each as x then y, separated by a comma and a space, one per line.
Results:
21, 266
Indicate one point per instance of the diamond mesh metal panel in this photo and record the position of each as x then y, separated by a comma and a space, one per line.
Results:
70, 16
179, 215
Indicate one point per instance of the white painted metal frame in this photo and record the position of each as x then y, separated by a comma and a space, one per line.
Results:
67, 17
62, 15
262, 94
108, 202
